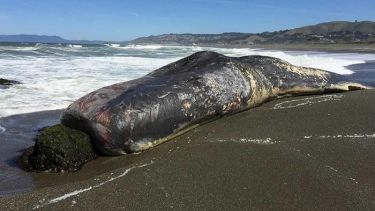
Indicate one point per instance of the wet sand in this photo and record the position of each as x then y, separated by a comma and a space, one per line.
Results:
16, 134
310, 153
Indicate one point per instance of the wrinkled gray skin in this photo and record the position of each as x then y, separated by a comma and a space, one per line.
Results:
136, 115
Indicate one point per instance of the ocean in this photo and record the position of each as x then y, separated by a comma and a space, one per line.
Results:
53, 76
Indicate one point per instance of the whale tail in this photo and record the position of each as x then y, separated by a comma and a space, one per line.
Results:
290, 80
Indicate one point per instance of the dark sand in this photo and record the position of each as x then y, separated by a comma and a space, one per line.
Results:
314, 152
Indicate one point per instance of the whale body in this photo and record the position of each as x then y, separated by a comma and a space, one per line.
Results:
135, 115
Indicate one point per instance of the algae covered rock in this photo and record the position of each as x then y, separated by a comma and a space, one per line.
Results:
58, 148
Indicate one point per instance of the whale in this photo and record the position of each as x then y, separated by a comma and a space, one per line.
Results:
136, 115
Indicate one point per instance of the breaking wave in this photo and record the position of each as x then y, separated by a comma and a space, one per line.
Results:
53, 76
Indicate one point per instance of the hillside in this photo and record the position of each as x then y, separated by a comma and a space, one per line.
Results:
31, 38
364, 27
25, 38
191, 38
340, 32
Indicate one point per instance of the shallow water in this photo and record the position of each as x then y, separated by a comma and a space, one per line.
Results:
19, 135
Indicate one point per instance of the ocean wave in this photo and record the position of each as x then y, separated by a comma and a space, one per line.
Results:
143, 47
29, 48
53, 76
53, 83
336, 63
113, 45
74, 46
333, 62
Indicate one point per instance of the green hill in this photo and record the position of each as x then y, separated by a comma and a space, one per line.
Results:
363, 27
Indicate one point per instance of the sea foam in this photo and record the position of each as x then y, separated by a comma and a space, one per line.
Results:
53, 76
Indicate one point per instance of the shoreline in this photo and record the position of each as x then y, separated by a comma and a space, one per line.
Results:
19, 133
329, 48
363, 73
283, 161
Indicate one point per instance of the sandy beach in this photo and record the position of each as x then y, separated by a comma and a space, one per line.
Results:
309, 153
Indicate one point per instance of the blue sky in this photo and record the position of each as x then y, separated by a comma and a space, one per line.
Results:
124, 20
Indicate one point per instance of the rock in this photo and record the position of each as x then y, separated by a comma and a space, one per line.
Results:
57, 149
5, 83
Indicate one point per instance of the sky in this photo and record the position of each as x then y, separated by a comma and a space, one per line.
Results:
121, 20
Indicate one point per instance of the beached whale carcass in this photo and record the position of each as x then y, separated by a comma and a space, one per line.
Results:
138, 114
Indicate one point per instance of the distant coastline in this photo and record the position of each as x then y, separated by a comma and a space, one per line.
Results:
46, 39
331, 48
339, 36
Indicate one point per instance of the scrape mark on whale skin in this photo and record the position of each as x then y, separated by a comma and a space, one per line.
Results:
307, 101
163, 96
2, 129
267, 141
43, 202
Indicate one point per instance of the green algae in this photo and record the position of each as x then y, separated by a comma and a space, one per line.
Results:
57, 149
